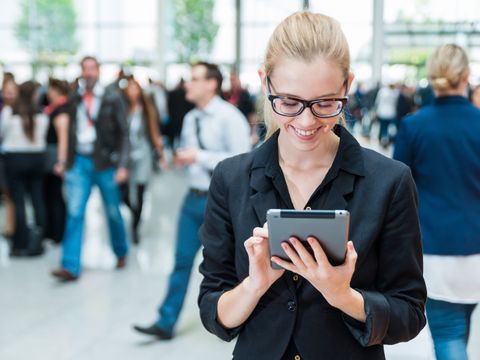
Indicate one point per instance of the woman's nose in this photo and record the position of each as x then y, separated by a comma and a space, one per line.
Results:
307, 118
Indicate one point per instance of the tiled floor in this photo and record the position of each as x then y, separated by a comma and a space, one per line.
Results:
92, 318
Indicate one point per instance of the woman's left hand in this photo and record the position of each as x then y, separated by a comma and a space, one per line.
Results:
333, 282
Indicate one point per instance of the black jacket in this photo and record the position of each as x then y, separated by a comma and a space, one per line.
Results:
111, 146
382, 200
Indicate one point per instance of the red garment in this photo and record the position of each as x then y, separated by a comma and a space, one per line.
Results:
59, 102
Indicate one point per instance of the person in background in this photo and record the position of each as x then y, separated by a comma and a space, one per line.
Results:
386, 104
23, 129
178, 107
441, 144
213, 131
241, 98
144, 135
58, 111
310, 309
97, 155
8, 97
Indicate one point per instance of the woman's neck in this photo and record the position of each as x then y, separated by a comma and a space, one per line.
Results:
321, 156
460, 90
135, 106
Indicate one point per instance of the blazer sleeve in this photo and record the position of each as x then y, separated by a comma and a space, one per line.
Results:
218, 265
395, 309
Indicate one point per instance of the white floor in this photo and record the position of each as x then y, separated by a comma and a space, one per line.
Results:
92, 318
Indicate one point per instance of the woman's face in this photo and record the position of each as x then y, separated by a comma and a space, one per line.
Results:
52, 93
9, 92
318, 79
133, 91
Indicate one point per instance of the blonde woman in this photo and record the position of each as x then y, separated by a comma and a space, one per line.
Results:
441, 144
310, 309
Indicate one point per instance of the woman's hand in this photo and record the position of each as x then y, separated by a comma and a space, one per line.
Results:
235, 306
333, 282
59, 169
261, 275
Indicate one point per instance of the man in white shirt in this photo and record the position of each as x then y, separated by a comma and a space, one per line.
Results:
212, 131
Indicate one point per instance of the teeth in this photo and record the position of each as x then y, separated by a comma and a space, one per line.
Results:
305, 132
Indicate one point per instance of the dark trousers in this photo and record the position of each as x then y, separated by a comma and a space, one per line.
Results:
136, 206
56, 212
25, 178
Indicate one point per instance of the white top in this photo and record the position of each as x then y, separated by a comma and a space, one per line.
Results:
13, 136
452, 278
387, 103
86, 132
224, 132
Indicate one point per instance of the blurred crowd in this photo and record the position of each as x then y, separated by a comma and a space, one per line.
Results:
34, 139
43, 127
387, 104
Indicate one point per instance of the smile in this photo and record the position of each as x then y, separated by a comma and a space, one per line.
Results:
301, 132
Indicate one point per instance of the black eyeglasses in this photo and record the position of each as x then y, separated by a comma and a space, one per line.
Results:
293, 106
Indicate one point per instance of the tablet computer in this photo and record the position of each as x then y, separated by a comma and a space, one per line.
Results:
329, 227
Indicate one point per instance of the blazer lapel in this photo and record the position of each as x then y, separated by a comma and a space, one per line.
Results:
342, 188
264, 197
262, 176
262, 202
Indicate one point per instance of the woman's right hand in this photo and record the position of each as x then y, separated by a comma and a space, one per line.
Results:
261, 274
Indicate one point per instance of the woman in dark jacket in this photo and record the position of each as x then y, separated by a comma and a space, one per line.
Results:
23, 129
58, 112
441, 144
311, 309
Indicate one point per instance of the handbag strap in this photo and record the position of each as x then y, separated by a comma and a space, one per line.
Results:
199, 139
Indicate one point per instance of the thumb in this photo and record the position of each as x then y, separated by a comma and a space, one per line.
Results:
351, 257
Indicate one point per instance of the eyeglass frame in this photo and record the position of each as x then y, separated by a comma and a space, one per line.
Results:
305, 103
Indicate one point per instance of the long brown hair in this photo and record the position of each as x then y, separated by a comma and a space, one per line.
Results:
149, 113
26, 107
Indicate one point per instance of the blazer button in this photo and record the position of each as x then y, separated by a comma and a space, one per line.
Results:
291, 306
297, 357
295, 277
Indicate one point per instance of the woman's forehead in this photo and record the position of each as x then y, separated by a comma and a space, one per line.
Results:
307, 79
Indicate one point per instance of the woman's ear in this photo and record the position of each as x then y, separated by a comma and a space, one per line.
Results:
351, 76
263, 80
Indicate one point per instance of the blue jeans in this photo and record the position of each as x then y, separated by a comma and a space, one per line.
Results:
79, 181
383, 135
450, 327
188, 244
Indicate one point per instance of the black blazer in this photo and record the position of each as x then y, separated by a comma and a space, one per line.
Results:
111, 147
381, 197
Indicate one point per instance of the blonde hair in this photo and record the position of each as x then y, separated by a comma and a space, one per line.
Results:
305, 36
446, 67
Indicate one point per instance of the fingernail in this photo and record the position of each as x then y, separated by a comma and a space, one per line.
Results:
293, 240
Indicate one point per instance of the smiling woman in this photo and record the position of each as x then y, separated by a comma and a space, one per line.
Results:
309, 308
